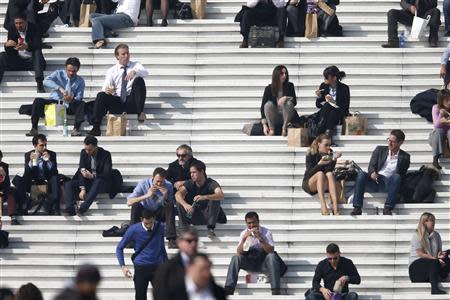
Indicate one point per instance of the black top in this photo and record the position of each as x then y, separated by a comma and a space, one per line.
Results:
7, 182
422, 6
342, 96
312, 167
33, 38
379, 156
288, 90
206, 189
176, 172
325, 271
103, 165
33, 172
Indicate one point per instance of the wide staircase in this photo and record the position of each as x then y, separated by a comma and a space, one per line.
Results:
201, 90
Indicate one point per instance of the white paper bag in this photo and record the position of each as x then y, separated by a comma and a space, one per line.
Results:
418, 26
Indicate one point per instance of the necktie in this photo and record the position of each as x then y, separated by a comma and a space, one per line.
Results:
123, 90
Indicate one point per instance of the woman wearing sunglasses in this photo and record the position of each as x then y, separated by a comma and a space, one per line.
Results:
427, 261
319, 177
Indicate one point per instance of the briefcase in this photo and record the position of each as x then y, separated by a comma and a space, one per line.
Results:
263, 36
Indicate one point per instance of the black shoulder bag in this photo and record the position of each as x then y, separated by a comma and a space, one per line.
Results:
135, 254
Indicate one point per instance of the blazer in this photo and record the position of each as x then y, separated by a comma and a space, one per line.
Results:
103, 166
312, 167
342, 96
32, 173
422, 5
7, 182
28, 7
379, 156
288, 90
169, 282
33, 38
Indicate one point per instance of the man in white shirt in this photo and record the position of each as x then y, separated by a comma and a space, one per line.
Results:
123, 90
126, 15
255, 253
387, 166
263, 13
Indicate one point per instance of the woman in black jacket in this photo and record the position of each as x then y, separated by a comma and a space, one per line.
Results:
319, 177
333, 99
278, 102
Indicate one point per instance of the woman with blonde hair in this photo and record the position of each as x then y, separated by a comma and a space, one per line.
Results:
427, 261
319, 177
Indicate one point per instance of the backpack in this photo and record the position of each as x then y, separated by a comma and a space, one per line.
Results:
182, 11
417, 185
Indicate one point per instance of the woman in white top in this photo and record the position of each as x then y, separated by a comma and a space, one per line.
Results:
427, 261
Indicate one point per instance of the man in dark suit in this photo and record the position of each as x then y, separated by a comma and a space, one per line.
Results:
40, 167
421, 8
7, 192
170, 273
93, 176
387, 167
23, 51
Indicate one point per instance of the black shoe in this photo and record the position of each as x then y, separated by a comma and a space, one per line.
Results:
229, 290
95, 131
437, 291
433, 41
149, 22
172, 244
112, 232
391, 44
447, 33
45, 35
14, 221
33, 132
357, 211
46, 46
436, 162
164, 23
69, 213
211, 233
387, 211
276, 291
40, 86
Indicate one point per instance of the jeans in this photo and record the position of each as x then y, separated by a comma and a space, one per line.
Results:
319, 296
446, 8
101, 22
142, 276
387, 185
270, 265
72, 188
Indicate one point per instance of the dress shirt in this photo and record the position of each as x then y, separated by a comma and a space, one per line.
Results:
131, 8
255, 243
24, 53
114, 76
446, 55
59, 79
194, 293
185, 259
325, 271
154, 203
390, 165
277, 3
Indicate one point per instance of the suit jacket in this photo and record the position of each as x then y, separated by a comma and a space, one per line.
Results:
342, 96
32, 173
33, 38
27, 7
288, 90
422, 6
379, 156
7, 182
103, 166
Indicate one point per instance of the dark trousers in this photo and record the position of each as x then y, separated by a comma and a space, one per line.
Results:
75, 108
202, 215
163, 214
72, 190
70, 8
45, 20
23, 185
332, 117
404, 17
8, 195
263, 16
364, 183
429, 270
14, 62
134, 104
319, 296
447, 75
142, 276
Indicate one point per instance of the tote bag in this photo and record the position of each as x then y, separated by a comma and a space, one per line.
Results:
418, 26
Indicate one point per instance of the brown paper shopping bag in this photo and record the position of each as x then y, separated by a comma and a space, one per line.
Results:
85, 11
298, 137
198, 8
116, 125
355, 124
311, 26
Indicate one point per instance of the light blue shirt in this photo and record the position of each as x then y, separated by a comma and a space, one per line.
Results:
154, 203
58, 79
445, 55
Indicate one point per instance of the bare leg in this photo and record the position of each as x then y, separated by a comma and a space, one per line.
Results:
332, 187
164, 8
318, 183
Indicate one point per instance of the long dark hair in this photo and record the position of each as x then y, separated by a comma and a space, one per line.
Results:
332, 71
276, 74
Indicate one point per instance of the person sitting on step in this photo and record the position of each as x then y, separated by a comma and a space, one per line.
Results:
179, 170
66, 88
445, 65
262, 13
198, 200
23, 51
278, 103
427, 261
162, 5
319, 177
123, 90
156, 195
8, 193
405, 16
387, 167
337, 272
126, 15
255, 253
440, 136
333, 100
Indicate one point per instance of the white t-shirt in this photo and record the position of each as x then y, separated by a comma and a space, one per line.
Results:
131, 8
390, 165
255, 243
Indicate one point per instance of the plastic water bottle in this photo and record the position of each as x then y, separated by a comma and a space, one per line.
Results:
128, 128
65, 128
402, 41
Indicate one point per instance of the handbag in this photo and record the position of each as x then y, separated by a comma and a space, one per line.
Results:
198, 8
86, 9
263, 36
253, 129
326, 8
37, 191
135, 254
418, 26
311, 28
182, 11
55, 114
116, 125
347, 171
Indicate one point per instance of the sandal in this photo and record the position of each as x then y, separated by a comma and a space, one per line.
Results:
100, 44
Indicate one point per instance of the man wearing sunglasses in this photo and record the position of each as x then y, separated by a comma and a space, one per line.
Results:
387, 167
337, 273
178, 171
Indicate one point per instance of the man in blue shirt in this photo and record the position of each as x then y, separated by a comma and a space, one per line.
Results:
156, 195
148, 239
67, 88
